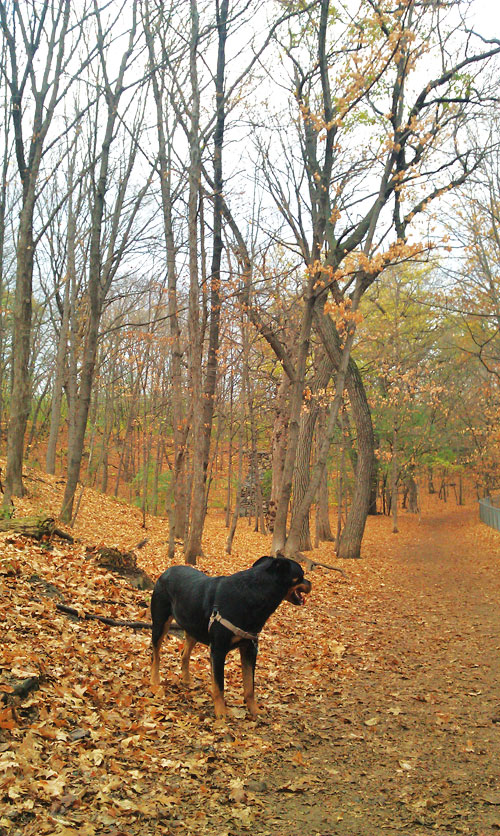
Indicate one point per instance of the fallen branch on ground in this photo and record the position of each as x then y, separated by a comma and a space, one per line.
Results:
112, 622
311, 564
35, 527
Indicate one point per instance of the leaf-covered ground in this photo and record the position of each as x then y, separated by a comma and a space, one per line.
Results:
380, 701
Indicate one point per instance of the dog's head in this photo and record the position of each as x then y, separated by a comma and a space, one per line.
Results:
291, 575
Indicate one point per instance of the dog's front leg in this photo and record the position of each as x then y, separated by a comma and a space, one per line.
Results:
218, 660
189, 643
248, 655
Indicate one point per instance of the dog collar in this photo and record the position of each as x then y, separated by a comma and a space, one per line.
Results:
242, 634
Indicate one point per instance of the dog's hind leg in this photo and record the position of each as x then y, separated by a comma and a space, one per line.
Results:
248, 655
189, 643
161, 616
217, 660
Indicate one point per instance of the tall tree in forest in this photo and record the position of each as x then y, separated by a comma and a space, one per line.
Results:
195, 332
40, 45
105, 253
202, 436
159, 32
203, 305
6, 156
66, 306
352, 533
373, 156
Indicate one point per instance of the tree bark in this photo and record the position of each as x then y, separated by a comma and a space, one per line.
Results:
44, 103
394, 481
293, 539
352, 535
296, 396
3, 213
308, 420
98, 283
236, 511
62, 345
180, 425
206, 403
323, 527
280, 436
21, 336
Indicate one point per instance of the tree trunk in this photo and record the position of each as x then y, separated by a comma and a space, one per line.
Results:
394, 482
254, 456
352, 535
98, 283
133, 408
21, 336
236, 511
75, 449
304, 446
372, 509
36, 432
340, 481
206, 403
62, 346
293, 539
41, 107
180, 424
323, 528
280, 434
230, 455
109, 401
296, 396
193, 543
412, 493
3, 208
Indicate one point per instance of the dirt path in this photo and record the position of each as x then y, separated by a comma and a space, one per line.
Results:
410, 742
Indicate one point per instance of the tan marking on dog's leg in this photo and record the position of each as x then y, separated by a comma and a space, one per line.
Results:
219, 704
248, 685
189, 643
218, 698
155, 663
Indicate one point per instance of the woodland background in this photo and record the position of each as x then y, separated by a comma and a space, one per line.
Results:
250, 238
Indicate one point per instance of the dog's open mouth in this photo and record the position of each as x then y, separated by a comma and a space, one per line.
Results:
297, 594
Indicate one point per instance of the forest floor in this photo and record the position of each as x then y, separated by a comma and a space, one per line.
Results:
380, 705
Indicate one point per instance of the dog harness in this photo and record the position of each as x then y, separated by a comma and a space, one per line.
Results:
242, 634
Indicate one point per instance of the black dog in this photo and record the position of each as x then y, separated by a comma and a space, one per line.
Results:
224, 613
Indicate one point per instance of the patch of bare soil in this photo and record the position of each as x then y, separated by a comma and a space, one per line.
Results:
380, 701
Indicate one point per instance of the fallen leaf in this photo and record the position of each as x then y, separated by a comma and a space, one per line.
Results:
491, 797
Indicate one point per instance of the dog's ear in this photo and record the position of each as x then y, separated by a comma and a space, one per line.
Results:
261, 560
280, 565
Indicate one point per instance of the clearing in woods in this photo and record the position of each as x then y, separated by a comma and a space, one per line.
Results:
380, 701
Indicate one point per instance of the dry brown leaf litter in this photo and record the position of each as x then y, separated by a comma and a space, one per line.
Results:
380, 702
